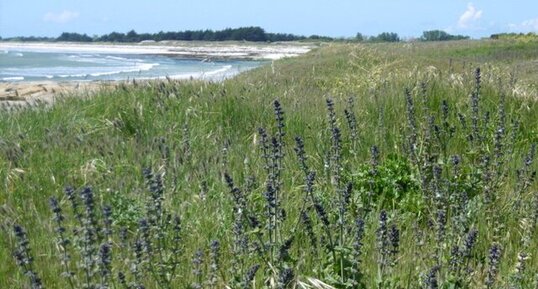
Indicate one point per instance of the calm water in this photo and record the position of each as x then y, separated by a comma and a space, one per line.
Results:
64, 66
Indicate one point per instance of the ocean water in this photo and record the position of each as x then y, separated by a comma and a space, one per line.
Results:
27, 65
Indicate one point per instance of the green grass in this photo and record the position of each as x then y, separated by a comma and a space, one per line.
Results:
194, 132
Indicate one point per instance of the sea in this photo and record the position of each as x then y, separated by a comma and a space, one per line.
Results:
27, 64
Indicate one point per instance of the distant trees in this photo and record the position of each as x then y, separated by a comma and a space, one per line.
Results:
132, 36
319, 37
76, 37
359, 37
274, 37
29, 39
520, 36
249, 34
253, 33
432, 35
386, 37
382, 37
256, 34
439, 35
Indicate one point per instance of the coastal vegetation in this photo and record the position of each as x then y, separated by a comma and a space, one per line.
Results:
516, 36
356, 165
255, 34
385, 37
439, 35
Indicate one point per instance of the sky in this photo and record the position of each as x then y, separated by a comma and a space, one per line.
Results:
336, 18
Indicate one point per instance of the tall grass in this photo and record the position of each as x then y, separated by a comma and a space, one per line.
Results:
354, 166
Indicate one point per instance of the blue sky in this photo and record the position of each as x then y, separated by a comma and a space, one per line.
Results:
323, 17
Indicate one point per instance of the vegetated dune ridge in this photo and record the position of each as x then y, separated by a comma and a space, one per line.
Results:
351, 166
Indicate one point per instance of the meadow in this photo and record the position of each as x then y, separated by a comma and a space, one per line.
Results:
404, 165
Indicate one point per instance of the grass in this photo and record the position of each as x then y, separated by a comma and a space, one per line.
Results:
201, 144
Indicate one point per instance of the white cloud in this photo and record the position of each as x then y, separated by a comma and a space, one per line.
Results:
530, 25
469, 16
61, 17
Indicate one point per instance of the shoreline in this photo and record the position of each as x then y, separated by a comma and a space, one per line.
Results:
24, 92
182, 49
46, 91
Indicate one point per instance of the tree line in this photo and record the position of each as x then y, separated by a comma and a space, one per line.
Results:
431, 35
529, 36
254, 33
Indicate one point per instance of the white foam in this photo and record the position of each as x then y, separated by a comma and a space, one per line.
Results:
73, 75
201, 75
123, 59
18, 54
107, 60
119, 58
217, 71
88, 59
15, 78
179, 76
138, 68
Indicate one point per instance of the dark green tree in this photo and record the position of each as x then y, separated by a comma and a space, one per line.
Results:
439, 35
386, 37
252, 33
75, 37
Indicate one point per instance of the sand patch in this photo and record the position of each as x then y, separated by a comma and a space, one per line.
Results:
28, 93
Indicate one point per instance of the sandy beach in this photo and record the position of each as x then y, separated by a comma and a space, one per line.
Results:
24, 92
191, 49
